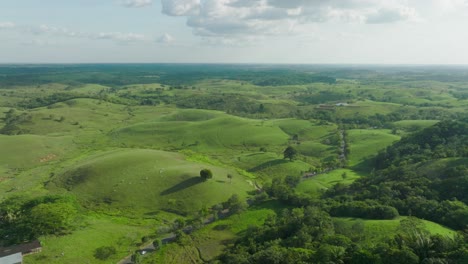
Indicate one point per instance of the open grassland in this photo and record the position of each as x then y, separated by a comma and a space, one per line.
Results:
373, 231
77, 116
269, 165
365, 143
131, 154
321, 182
366, 108
28, 160
79, 247
436, 167
146, 181
414, 125
26, 151
219, 134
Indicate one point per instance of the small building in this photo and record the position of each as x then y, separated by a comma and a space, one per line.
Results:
16, 258
342, 104
14, 254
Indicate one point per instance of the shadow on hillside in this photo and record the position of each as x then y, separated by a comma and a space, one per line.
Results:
267, 164
183, 185
365, 167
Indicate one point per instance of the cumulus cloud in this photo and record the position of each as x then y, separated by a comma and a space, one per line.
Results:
222, 18
120, 37
6, 25
54, 31
165, 38
181, 7
137, 3
386, 15
57, 31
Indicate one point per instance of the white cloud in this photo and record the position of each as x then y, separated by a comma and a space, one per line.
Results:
166, 38
52, 31
180, 7
387, 15
57, 31
449, 7
121, 37
223, 18
6, 25
137, 3
39, 42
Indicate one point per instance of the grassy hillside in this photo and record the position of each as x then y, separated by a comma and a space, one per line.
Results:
365, 143
220, 134
374, 231
414, 125
319, 183
146, 181
129, 141
96, 232
26, 151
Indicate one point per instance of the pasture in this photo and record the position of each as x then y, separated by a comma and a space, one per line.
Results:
142, 181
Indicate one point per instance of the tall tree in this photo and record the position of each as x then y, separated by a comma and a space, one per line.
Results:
290, 153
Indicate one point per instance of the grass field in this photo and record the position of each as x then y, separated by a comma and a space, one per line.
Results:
79, 246
218, 134
16, 150
437, 167
373, 231
319, 183
132, 157
414, 125
365, 143
145, 181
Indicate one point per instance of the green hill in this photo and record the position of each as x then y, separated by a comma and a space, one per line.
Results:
26, 151
147, 180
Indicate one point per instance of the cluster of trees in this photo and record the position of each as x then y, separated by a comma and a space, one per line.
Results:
440, 195
265, 77
283, 189
231, 103
52, 99
13, 120
444, 139
308, 235
324, 97
23, 220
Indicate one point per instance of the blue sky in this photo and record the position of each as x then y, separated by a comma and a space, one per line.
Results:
237, 31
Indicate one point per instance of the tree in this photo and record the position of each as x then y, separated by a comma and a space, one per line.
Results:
157, 244
104, 252
290, 153
206, 174
344, 175
235, 204
51, 218
136, 257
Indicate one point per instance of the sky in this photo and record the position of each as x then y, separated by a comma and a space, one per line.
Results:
234, 31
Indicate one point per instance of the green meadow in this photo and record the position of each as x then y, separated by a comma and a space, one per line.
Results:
365, 143
145, 181
129, 145
373, 231
316, 185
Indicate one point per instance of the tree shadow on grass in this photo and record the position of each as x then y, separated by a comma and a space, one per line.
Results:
183, 185
267, 164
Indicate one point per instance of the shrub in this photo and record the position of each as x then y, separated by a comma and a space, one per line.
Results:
104, 252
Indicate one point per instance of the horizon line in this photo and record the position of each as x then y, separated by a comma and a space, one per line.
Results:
237, 63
